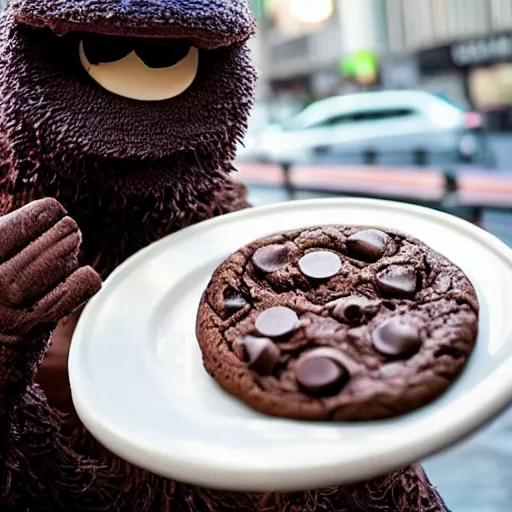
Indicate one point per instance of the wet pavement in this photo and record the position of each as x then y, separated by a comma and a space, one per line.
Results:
476, 475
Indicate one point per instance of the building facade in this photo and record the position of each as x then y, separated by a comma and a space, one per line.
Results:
460, 48
428, 23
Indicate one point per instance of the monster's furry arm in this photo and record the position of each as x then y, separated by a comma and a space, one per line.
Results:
40, 283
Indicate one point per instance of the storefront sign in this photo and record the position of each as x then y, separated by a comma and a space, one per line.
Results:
436, 60
482, 51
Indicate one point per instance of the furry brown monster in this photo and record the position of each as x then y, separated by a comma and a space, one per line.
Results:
89, 175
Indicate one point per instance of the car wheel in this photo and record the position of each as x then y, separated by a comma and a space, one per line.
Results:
420, 157
370, 156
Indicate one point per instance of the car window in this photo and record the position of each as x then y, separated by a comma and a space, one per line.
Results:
364, 116
309, 117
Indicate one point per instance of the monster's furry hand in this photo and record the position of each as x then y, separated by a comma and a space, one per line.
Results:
40, 283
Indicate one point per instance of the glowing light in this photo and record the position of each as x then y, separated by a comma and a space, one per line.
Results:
311, 11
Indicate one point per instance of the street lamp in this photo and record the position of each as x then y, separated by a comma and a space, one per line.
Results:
297, 17
311, 11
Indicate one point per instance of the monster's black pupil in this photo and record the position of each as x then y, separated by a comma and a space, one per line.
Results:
162, 54
153, 52
103, 49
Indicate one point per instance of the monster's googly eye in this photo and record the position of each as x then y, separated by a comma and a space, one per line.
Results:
103, 49
143, 70
161, 54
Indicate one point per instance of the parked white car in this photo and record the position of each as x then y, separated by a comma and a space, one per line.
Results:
371, 123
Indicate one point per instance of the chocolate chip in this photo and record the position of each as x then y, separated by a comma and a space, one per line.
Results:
233, 302
320, 264
351, 309
368, 245
276, 322
399, 282
262, 353
321, 371
271, 258
396, 338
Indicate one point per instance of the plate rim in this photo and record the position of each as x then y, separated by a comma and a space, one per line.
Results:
216, 474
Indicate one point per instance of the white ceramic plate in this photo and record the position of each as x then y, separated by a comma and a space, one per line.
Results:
139, 386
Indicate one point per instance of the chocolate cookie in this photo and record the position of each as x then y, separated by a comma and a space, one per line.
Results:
337, 323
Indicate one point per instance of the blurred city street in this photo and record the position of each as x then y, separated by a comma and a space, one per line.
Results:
476, 475
366, 83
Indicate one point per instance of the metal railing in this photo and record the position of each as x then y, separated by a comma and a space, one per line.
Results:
471, 190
